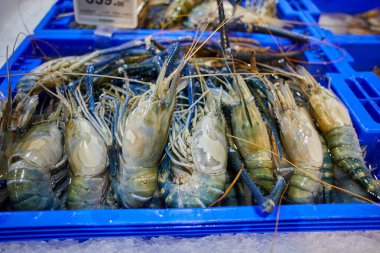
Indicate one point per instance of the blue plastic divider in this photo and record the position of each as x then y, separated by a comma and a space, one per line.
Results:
293, 8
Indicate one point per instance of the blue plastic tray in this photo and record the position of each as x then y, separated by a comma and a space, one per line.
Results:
196, 222
362, 53
293, 8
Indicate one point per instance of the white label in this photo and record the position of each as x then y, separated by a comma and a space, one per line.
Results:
115, 13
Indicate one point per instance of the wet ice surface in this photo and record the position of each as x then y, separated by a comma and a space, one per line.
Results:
285, 242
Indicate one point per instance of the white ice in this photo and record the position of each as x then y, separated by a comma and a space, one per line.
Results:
348, 242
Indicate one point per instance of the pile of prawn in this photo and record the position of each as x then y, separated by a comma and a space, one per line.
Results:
190, 14
157, 123
252, 17
362, 23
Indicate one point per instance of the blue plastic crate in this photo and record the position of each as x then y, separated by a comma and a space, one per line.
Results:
293, 8
362, 53
45, 225
53, 26
347, 6
360, 92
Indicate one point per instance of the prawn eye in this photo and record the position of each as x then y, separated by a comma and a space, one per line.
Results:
145, 181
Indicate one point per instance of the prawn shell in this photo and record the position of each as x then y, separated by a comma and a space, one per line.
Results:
327, 173
255, 150
29, 179
177, 9
200, 191
254, 142
144, 139
303, 187
328, 110
145, 134
347, 155
343, 180
138, 185
300, 139
86, 150
41, 146
209, 146
334, 120
86, 193
29, 188
256, 133
24, 112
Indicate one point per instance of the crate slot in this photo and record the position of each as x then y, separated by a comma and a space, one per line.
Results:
372, 92
294, 7
301, 5
355, 89
372, 111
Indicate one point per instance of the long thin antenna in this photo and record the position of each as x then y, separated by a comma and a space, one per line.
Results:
223, 34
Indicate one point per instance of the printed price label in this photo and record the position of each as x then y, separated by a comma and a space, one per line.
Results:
116, 13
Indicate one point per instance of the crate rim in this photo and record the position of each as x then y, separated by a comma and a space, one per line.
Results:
82, 224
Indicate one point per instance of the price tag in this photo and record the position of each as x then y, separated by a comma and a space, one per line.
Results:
116, 13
